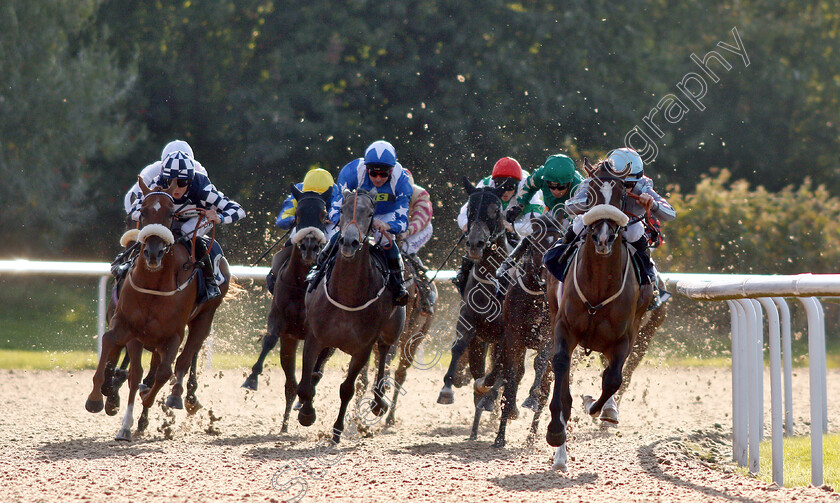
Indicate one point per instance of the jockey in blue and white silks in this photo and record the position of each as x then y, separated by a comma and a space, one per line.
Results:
150, 172
378, 172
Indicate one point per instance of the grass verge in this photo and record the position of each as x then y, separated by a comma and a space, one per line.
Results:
797, 461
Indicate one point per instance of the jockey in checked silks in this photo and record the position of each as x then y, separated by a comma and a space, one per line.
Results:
198, 205
316, 180
639, 235
508, 175
419, 233
557, 179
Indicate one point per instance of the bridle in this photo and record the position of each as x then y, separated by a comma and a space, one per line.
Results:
495, 234
355, 223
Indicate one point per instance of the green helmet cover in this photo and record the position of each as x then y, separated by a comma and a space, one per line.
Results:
558, 168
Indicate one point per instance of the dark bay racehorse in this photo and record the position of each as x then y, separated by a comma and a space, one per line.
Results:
601, 305
286, 315
527, 326
480, 312
350, 310
157, 302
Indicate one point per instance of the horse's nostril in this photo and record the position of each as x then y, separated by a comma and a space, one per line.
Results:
480, 244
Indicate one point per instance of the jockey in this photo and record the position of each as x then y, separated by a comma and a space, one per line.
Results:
378, 171
557, 179
508, 174
316, 180
152, 170
419, 232
195, 191
648, 200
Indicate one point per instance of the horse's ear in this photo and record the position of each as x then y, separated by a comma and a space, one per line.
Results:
346, 193
468, 186
588, 167
143, 187
296, 192
361, 191
327, 195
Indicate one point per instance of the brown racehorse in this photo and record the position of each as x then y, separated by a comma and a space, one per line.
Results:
527, 326
350, 310
286, 321
601, 305
157, 302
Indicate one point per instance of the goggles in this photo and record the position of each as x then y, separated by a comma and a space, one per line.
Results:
558, 186
181, 182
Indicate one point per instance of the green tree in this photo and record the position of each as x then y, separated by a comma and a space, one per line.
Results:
61, 109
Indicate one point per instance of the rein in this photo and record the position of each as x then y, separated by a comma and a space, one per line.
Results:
593, 309
162, 293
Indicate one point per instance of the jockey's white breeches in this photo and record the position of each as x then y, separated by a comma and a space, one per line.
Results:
414, 242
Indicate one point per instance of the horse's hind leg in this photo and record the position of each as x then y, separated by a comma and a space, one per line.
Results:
513, 354
149, 380
380, 402
545, 389
191, 402
407, 351
135, 373
640, 347
288, 348
357, 363
269, 341
163, 371
611, 378
199, 330
540, 368
110, 353
112, 403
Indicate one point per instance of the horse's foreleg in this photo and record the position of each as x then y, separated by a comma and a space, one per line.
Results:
288, 348
163, 372
112, 403
380, 402
561, 401
199, 330
357, 362
545, 389
149, 380
513, 363
540, 368
268, 342
407, 352
611, 379
135, 373
110, 353
306, 389
466, 334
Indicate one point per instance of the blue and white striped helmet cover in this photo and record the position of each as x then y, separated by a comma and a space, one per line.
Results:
178, 165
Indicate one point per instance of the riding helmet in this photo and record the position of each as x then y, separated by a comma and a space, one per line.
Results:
317, 180
178, 165
381, 152
622, 156
558, 168
507, 167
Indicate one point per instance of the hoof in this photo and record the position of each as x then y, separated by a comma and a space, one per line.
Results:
192, 405
142, 388
389, 421
112, 404
514, 414
94, 405
250, 383
531, 403
142, 424
499, 443
555, 439
124, 435
446, 397
588, 401
306, 417
609, 415
480, 388
561, 458
473, 437
174, 402
486, 403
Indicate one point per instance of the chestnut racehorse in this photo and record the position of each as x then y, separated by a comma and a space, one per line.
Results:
157, 302
601, 304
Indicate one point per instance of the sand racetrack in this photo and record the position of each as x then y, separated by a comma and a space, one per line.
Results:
673, 444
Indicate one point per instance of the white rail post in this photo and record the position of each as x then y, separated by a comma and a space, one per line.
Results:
102, 307
787, 363
774, 336
759, 358
754, 375
740, 415
824, 369
816, 346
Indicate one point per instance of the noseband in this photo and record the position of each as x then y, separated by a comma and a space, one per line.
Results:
494, 235
354, 222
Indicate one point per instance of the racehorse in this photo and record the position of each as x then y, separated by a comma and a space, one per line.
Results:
286, 321
527, 326
157, 301
480, 311
601, 306
347, 310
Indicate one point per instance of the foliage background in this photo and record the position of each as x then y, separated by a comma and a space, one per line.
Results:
90, 91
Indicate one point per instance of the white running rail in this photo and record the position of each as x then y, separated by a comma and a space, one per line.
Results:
748, 298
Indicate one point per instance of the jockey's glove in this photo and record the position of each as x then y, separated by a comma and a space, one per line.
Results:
513, 213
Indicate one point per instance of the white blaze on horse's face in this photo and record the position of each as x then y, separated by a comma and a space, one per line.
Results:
603, 238
606, 191
156, 206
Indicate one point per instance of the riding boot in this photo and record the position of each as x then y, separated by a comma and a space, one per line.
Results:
460, 279
314, 276
424, 287
395, 281
203, 259
502, 276
649, 273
